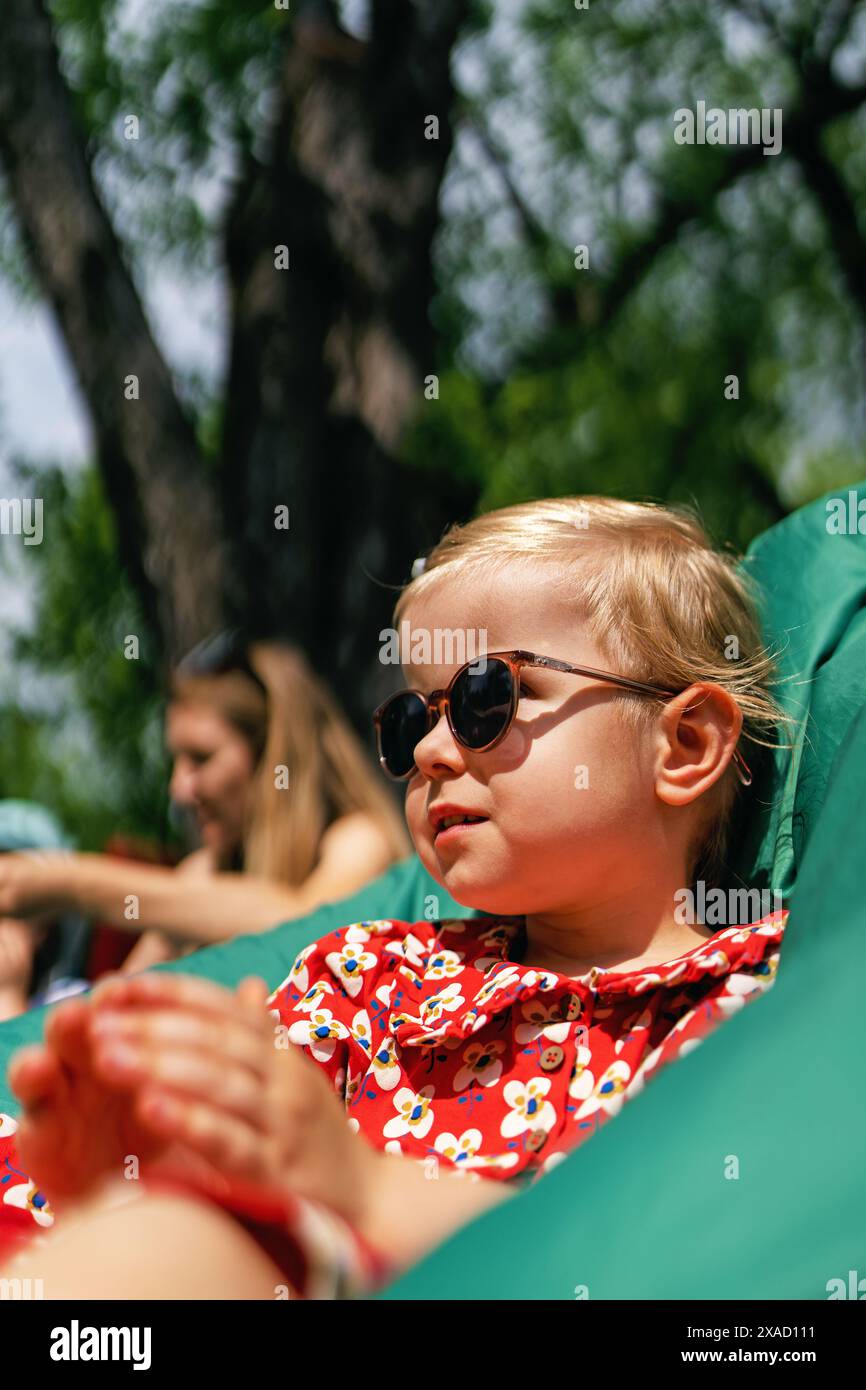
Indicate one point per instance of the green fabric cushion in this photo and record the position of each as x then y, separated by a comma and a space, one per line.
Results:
813, 607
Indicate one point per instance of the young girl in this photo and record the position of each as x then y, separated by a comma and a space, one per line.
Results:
580, 785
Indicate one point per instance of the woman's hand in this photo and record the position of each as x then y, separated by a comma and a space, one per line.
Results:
208, 1072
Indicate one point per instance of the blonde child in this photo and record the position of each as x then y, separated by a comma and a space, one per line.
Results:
571, 786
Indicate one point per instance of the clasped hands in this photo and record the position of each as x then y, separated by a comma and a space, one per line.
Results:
173, 1068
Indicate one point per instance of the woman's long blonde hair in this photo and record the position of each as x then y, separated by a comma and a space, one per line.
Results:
299, 737
667, 607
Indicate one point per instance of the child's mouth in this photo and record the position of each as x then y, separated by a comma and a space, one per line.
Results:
453, 828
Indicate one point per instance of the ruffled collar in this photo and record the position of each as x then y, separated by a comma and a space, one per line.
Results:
431, 1005
726, 950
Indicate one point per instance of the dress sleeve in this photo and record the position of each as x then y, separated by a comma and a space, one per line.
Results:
322, 1004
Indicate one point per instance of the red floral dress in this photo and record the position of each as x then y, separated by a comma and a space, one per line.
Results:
445, 1049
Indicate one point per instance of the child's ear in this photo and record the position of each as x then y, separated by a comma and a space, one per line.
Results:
697, 733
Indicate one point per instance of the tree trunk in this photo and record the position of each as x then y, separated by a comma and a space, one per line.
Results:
168, 527
329, 355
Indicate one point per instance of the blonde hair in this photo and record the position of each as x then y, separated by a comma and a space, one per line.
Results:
292, 721
663, 604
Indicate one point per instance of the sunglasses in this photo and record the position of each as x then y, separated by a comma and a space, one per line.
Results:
480, 703
220, 655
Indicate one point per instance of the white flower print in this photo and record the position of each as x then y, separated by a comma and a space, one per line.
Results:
298, 976
8, 1125
414, 1113
495, 936
529, 1109
362, 1032
484, 963
635, 1023
582, 1082
319, 1033
503, 979
542, 1021
552, 1160
647, 981
481, 1065
384, 992
609, 1091
410, 948
382, 926
349, 964
353, 1084
458, 1150
736, 992
384, 1064
27, 1196
357, 933
313, 996
448, 999
443, 965
717, 962
463, 1152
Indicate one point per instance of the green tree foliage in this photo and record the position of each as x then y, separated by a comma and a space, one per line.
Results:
80, 724
703, 262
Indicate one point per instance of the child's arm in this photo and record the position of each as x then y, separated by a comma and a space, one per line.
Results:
409, 1208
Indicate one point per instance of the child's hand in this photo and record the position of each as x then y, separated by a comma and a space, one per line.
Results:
203, 1064
74, 1131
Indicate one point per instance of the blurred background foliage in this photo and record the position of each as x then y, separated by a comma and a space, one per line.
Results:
551, 379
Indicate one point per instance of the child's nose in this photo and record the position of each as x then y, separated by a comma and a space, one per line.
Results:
439, 749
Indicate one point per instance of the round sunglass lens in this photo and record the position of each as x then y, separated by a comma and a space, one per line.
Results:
403, 725
481, 702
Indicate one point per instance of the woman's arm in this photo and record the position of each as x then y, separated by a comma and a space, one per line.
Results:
200, 909
138, 896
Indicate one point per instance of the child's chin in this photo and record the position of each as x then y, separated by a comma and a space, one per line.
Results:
483, 893
496, 899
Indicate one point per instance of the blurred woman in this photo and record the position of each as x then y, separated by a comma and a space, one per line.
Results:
288, 809
40, 957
